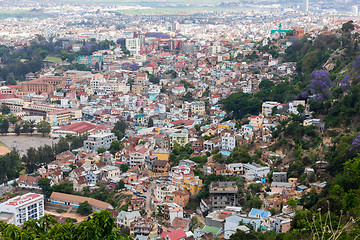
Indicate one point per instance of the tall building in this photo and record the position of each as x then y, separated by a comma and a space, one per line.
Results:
223, 194
306, 6
355, 10
19, 209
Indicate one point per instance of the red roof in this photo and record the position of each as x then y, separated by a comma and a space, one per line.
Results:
7, 96
186, 122
175, 234
83, 127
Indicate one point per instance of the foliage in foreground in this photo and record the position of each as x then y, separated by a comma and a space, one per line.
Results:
100, 226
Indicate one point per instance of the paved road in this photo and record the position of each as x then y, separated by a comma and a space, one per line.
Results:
22, 143
149, 196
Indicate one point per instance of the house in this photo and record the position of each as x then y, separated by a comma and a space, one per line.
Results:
161, 166
178, 138
126, 218
175, 234
281, 187
182, 223
77, 172
280, 223
223, 194
143, 226
232, 224
181, 198
279, 177
65, 156
257, 213
138, 157
162, 154
26, 181
318, 186
228, 141
79, 183
137, 204
110, 172
267, 108
219, 169
92, 177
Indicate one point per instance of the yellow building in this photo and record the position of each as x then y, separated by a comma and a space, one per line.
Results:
179, 138
162, 154
198, 108
223, 127
193, 185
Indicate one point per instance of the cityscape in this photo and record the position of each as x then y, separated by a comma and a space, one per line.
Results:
180, 120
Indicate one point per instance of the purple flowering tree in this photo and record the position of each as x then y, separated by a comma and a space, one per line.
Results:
357, 64
130, 66
355, 146
345, 82
320, 84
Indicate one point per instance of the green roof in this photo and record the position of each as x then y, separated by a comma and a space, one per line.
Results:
279, 31
209, 229
139, 115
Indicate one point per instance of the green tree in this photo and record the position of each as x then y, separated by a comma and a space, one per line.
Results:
124, 167
84, 208
4, 127
43, 127
12, 118
101, 150
119, 129
150, 123
4, 109
44, 184
17, 129
266, 84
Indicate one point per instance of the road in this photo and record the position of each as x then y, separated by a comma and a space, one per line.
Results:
149, 196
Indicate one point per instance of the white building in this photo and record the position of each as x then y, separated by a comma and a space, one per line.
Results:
100, 140
228, 142
133, 45
24, 207
162, 191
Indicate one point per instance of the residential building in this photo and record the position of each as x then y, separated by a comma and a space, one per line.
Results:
26, 181
223, 194
179, 138
23, 208
161, 191
198, 108
279, 177
268, 106
181, 198
126, 218
99, 140
228, 141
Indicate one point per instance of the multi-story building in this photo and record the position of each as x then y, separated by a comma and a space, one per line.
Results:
24, 207
42, 85
140, 119
198, 108
162, 191
228, 141
138, 157
126, 218
223, 194
179, 138
100, 140
143, 226
268, 106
